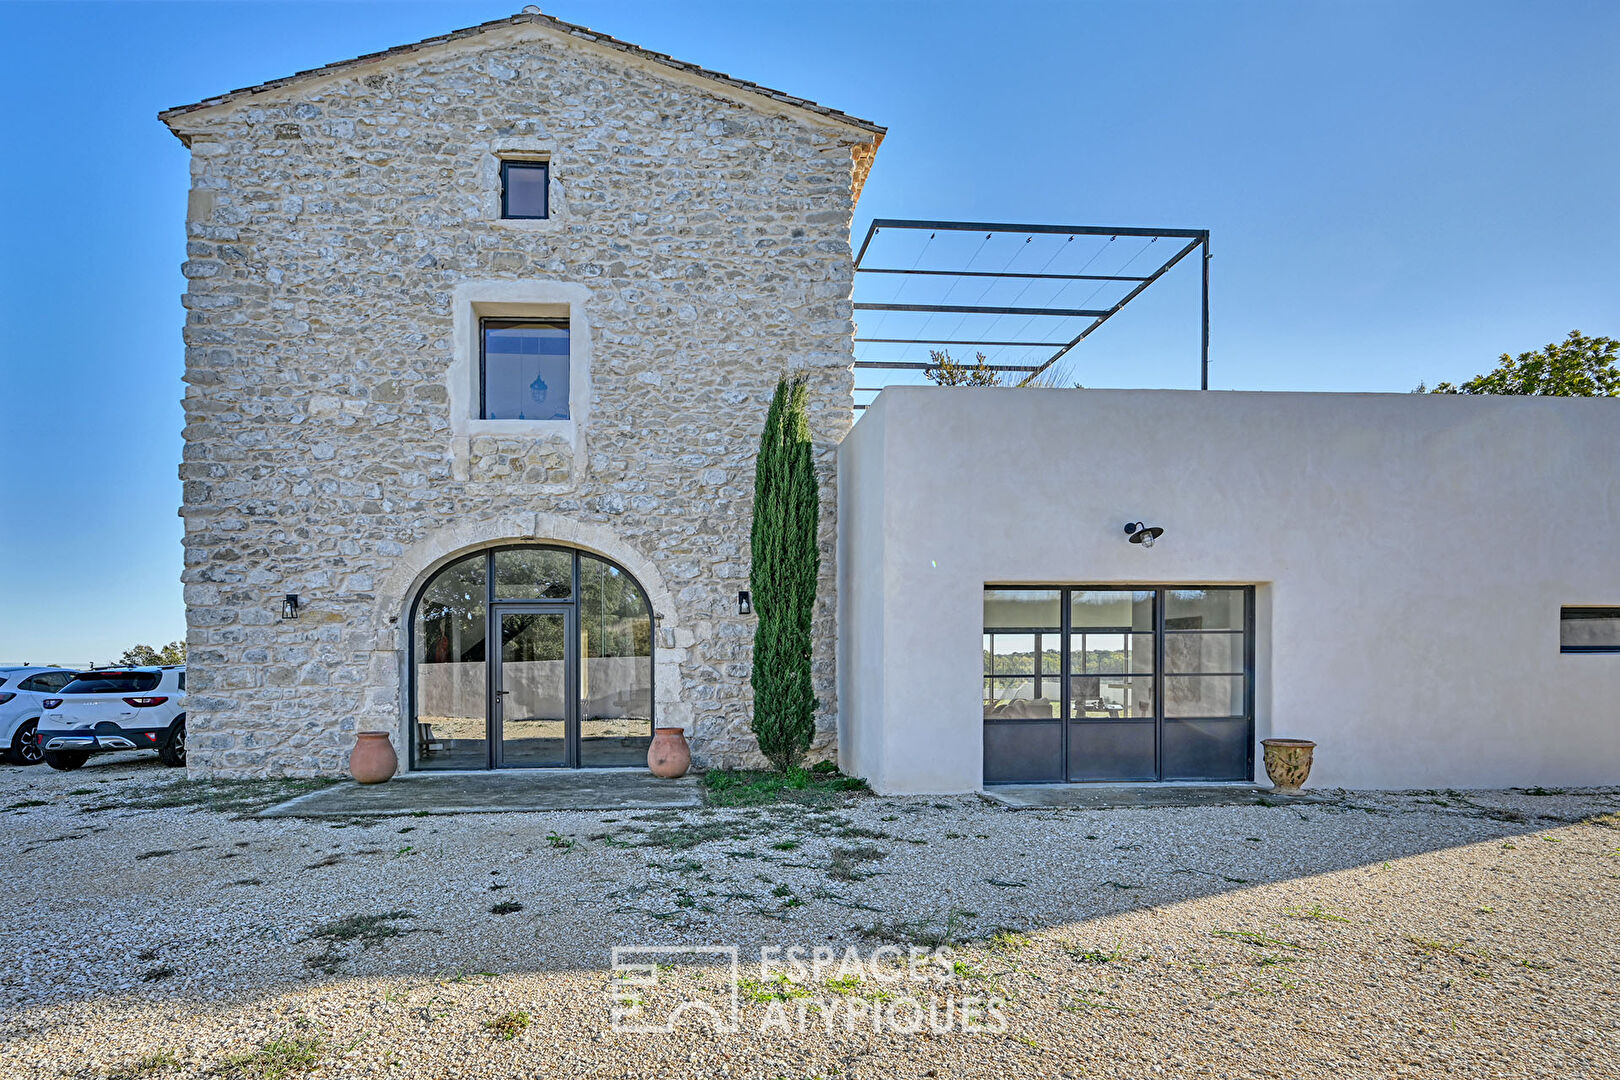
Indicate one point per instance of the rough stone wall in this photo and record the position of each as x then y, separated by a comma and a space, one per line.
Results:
329, 222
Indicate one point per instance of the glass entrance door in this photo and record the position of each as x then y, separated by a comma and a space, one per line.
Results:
533, 717
531, 655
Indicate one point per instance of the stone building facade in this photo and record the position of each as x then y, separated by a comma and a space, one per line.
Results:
344, 237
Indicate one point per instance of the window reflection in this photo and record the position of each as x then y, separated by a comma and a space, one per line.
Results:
451, 696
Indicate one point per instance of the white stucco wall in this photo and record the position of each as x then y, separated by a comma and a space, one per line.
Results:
1410, 552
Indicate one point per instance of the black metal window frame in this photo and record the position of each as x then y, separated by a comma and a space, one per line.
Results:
508, 323
493, 610
1065, 713
507, 165
1576, 612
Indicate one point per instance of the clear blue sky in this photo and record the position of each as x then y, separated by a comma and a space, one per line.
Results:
1397, 192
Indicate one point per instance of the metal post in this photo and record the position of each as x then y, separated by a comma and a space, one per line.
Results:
1204, 379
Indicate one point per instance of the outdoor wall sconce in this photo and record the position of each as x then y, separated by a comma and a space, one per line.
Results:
1143, 533
289, 606
745, 603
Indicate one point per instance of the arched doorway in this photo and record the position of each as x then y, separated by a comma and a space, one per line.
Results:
531, 656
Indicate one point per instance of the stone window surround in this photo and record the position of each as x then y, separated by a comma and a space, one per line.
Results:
489, 176
473, 301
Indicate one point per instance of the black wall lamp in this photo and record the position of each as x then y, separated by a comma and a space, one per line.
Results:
1143, 533
745, 603
289, 606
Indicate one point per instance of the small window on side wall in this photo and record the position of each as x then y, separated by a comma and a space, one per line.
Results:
525, 189
524, 365
1589, 630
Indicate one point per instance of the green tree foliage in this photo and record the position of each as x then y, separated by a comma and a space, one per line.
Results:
947, 372
786, 561
146, 656
1579, 366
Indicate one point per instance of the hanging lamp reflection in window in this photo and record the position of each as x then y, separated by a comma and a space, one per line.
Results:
538, 389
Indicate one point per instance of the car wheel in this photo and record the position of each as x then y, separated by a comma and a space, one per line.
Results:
24, 750
66, 760
173, 750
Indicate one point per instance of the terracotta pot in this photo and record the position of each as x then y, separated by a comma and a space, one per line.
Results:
1288, 762
373, 759
669, 756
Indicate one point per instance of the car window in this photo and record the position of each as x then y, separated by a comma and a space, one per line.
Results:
55, 680
182, 680
112, 682
40, 683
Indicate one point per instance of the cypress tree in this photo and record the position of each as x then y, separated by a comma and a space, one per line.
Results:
782, 578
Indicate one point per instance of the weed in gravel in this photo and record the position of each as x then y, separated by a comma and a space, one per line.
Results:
845, 864
1438, 946
1316, 912
560, 842
159, 973
145, 1065
156, 853
731, 787
1000, 884
784, 845
1006, 941
1539, 790
506, 907
366, 929
248, 881
28, 804
780, 988
83, 791
147, 955
1095, 956
1257, 939
679, 866
276, 1059
927, 931
1272, 959
686, 837
330, 860
509, 1025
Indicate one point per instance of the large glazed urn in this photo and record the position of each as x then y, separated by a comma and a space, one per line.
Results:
373, 759
669, 756
1288, 763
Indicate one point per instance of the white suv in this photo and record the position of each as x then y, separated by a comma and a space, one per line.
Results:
22, 689
138, 708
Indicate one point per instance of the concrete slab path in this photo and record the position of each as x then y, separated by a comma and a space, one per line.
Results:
496, 792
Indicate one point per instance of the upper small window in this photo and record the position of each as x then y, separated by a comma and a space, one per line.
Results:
524, 186
1589, 629
525, 369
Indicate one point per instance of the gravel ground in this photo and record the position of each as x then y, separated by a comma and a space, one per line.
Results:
161, 932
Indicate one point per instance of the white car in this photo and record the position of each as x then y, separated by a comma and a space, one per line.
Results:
22, 690
135, 708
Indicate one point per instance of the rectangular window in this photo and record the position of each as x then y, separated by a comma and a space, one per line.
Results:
1589, 629
1090, 683
524, 369
524, 189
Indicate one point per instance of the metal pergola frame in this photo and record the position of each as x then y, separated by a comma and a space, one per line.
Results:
1195, 239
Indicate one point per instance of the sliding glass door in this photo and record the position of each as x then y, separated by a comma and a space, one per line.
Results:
1118, 683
